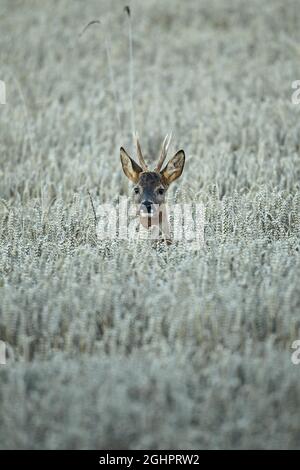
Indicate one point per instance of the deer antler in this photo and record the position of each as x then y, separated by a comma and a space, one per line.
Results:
139, 153
163, 153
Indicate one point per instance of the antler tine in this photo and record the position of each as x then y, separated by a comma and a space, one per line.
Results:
168, 143
139, 153
164, 150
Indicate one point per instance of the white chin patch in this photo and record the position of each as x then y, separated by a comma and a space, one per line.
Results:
146, 214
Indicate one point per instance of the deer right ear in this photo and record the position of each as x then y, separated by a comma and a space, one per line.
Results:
174, 168
131, 169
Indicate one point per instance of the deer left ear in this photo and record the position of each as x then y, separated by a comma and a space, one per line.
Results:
131, 169
174, 167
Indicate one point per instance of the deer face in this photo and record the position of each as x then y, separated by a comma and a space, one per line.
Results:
150, 187
149, 192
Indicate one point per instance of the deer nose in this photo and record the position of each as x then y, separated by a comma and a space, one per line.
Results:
147, 207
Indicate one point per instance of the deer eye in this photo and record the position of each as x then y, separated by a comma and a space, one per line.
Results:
160, 191
136, 190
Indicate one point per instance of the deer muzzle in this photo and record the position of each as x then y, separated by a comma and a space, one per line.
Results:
148, 209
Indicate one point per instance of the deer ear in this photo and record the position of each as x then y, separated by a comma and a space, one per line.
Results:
131, 169
174, 167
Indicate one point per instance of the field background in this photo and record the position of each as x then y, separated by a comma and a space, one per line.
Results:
113, 345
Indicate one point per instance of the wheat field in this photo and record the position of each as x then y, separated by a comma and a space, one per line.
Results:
112, 344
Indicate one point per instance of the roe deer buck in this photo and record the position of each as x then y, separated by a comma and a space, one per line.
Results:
150, 187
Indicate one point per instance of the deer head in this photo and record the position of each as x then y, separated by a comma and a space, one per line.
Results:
150, 186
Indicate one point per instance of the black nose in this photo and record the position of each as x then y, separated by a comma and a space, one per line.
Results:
146, 206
